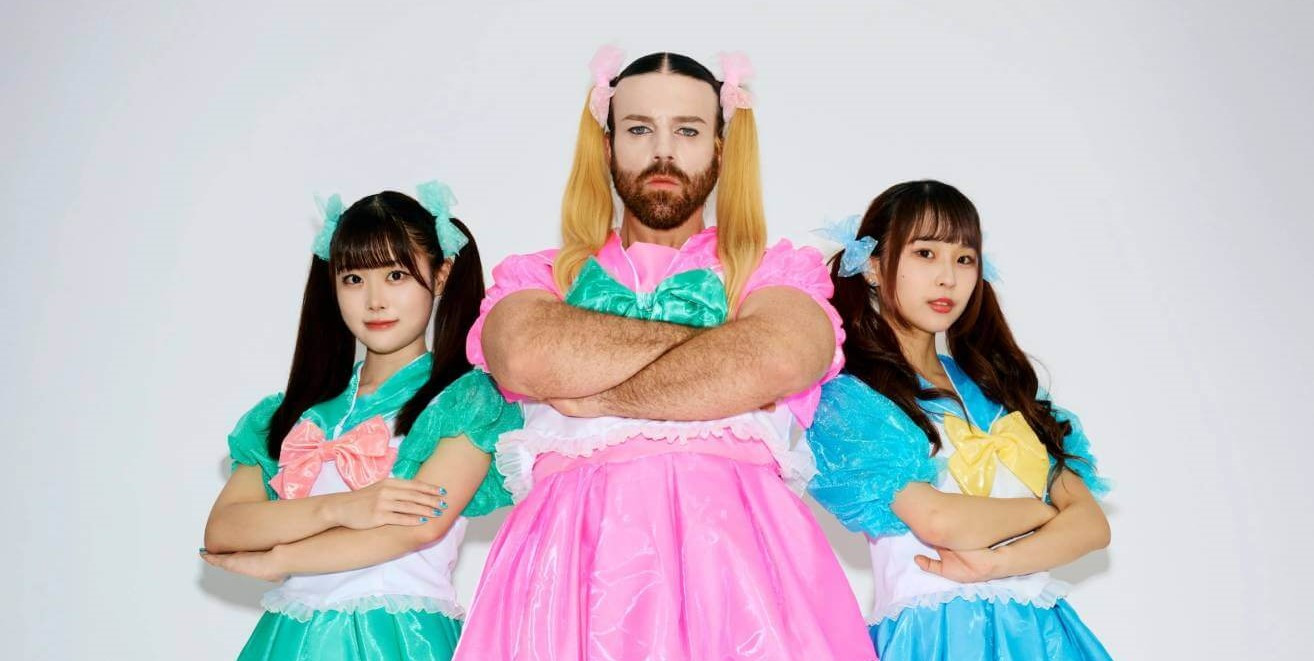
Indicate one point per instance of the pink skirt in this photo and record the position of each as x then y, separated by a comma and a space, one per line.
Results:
652, 550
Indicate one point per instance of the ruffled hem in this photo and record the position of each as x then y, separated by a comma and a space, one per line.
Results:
1053, 591
517, 450
393, 603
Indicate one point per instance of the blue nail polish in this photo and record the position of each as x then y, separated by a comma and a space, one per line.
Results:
442, 491
424, 519
442, 504
437, 512
202, 551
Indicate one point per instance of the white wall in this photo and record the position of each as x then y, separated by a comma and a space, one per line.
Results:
1142, 168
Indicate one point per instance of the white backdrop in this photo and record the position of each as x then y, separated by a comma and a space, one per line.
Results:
1142, 169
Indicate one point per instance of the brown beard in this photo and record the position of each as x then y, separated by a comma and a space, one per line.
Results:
664, 209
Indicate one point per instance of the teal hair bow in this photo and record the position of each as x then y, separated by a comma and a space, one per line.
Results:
331, 209
438, 199
694, 298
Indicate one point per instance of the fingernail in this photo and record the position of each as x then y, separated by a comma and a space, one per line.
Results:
437, 512
442, 504
424, 519
202, 550
442, 491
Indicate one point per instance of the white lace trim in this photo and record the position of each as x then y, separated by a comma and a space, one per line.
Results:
1049, 595
517, 450
301, 611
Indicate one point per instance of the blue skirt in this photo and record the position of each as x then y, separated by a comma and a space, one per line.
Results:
984, 630
374, 635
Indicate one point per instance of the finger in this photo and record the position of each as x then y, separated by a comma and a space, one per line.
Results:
405, 520
418, 509
928, 564
416, 485
430, 501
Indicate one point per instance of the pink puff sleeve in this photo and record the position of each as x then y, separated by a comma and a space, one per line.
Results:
783, 265
515, 273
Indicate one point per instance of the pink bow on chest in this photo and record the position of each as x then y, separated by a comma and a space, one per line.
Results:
362, 456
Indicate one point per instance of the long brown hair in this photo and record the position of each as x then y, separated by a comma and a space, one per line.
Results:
980, 340
378, 231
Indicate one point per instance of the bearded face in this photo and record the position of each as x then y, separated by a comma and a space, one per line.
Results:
664, 153
663, 196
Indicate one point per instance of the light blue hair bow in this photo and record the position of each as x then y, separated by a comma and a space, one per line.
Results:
331, 209
438, 199
857, 249
988, 271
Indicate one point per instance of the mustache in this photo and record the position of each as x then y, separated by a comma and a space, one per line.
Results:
664, 169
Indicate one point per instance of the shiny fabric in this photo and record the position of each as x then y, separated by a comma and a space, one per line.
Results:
1010, 442
374, 635
692, 298
470, 406
865, 459
987, 630
361, 456
650, 550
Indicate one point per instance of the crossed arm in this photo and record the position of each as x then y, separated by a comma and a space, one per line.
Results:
1078, 528
588, 364
456, 464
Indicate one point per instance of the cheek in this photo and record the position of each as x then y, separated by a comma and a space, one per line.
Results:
630, 153
696, 155
349, 305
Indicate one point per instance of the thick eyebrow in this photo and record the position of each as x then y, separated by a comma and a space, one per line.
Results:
682, 119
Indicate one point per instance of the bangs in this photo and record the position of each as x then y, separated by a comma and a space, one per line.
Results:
948, 220
367, 241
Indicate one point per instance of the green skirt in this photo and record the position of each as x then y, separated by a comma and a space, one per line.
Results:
373, 635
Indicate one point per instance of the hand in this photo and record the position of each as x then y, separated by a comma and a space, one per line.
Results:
256, 564
963, 566
386, 502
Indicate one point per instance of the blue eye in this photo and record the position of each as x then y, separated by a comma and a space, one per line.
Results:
639, 130
687, 132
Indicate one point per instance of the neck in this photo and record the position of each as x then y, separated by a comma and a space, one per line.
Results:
918, 348
380, 367
631, 230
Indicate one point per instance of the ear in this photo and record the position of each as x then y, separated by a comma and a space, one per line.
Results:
606, 146
873, 272
440, 278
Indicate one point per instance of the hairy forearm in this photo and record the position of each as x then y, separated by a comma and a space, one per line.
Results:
259, 526
342, 549
961, 522
547, 349
738, 367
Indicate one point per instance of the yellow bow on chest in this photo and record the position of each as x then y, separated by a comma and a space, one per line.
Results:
1010, 440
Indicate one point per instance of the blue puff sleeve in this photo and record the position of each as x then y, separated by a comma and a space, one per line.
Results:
867, 450
247, 444
1077, 444
469, 406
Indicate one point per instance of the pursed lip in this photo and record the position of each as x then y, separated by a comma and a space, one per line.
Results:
380, 325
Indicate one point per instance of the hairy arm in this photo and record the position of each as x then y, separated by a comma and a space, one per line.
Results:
780, 344
541, 347
957, 521
456, 464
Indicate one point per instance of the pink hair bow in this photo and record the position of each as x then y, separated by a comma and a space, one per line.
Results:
363, 456
604, 66
735, 70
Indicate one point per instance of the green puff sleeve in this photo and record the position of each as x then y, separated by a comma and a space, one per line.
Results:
470, 405
867, 451
1077, 444
247, 444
